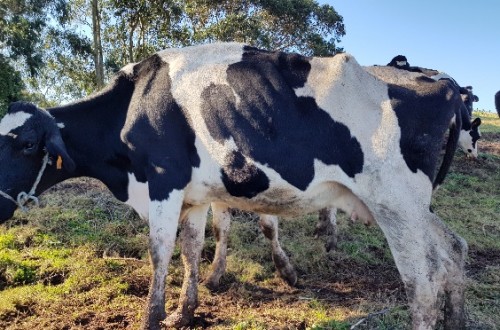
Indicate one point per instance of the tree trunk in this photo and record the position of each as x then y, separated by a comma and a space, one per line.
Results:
96, 29
131, 44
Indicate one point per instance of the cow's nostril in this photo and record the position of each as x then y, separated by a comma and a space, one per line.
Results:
469, 150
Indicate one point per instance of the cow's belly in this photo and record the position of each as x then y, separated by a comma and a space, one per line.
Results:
273, 201
280, 199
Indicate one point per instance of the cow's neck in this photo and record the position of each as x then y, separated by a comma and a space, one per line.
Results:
91, 132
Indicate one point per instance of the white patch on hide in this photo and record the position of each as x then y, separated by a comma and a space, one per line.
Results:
138, 196
12, 121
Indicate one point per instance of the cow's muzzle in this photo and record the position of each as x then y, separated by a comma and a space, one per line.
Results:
23, 198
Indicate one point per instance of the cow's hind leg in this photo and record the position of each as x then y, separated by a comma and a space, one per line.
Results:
192, 237
454, 313
269, 226
430, 259
221, 219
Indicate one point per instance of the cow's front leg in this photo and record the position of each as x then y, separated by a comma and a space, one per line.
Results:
221, 220
163, 221
192, 238
327, 225
269, 226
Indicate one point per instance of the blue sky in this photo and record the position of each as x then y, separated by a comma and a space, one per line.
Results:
459, 37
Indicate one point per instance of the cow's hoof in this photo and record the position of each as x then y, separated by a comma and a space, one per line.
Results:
212, 284
331, 244
152, 318
285, 268
288, 274
176, 320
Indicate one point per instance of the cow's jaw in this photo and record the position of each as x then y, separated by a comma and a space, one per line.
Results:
467, 144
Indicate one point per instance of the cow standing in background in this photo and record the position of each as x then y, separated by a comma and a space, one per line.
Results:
268, 132
401, 62
497, 102
470, 130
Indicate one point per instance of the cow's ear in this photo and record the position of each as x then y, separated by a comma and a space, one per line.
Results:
56, 148
476, 122
475, 98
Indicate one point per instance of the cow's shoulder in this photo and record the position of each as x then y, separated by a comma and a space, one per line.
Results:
155, 121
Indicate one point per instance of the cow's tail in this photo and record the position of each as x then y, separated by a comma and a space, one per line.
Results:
451, 147
497, 102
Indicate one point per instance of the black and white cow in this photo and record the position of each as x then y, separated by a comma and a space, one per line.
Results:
401, 62
269, 132
497, 102
470, 133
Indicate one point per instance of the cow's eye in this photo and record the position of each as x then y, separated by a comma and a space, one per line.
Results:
29, 147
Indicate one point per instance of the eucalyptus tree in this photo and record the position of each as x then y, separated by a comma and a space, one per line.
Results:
22, 23
143, 27
71, 47
22, 26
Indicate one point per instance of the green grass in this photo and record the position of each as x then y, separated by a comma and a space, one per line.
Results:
81, 262
490, 123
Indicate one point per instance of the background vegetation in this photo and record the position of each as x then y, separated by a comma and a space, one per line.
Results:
81, 262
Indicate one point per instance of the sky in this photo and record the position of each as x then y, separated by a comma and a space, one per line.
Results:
458, 37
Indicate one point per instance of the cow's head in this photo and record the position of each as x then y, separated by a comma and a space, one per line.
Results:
27, 134
399, 62
469, 137
468, 98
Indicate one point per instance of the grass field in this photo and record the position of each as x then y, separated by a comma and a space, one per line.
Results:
81, 262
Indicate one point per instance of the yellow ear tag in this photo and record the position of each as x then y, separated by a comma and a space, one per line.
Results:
59, 162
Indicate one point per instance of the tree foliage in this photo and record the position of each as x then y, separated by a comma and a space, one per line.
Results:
22, 23
60, 36
294, 25
11, 85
